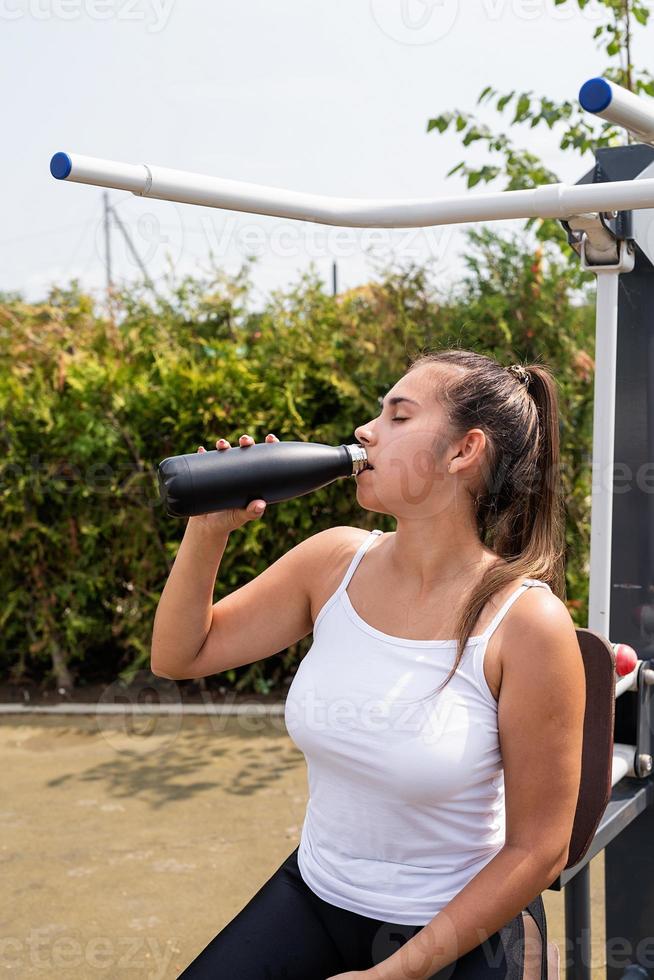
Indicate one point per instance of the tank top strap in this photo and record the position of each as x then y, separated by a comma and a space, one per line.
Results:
360, 552
501, 613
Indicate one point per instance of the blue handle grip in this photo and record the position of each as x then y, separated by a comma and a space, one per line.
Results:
61, 165
595, 95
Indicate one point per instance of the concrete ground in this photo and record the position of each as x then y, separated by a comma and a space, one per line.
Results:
125, 846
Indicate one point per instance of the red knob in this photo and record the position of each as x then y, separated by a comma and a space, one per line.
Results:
625, 659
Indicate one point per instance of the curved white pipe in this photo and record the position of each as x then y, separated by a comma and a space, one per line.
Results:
546, 201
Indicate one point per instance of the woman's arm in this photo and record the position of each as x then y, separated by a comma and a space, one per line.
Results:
183, 616
500, 891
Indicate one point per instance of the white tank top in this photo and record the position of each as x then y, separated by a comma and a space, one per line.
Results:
406, 800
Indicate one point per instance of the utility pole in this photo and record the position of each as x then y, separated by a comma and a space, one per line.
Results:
107, 242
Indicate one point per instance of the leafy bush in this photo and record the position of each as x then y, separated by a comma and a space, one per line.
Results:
90, 405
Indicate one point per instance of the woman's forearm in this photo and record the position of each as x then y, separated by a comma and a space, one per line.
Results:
183, 617
501, 890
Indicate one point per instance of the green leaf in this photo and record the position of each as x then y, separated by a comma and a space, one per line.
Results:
472, 135
440, 122
503, 101
522, 107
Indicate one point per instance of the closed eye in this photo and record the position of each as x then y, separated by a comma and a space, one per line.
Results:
398, 419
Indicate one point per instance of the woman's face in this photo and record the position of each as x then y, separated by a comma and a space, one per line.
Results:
407, 445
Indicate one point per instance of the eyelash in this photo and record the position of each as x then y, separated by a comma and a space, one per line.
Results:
398, 419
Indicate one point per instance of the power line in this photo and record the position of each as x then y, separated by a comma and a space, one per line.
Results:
110, 210
42, 234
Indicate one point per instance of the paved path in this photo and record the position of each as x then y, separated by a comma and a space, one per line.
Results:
127, 844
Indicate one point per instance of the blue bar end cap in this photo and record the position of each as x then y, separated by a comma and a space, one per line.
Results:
595, 95
61, 165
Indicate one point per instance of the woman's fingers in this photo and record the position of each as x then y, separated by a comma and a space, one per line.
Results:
244, 440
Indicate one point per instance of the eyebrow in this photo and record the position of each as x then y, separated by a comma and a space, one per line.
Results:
396, 399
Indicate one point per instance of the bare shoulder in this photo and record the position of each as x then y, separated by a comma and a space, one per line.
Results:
334, 543
333, 551
538, 624
541, 609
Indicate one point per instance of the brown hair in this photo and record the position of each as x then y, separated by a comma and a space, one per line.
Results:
518, 501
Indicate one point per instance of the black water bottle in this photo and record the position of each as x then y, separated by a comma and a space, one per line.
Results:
202, 483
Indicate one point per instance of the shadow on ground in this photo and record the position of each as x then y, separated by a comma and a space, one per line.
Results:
126, 845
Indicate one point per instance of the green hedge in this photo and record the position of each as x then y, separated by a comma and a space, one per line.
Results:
89, 406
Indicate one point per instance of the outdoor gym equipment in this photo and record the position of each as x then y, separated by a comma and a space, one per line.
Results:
609, 222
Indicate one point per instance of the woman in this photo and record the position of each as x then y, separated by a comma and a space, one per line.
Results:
435, 817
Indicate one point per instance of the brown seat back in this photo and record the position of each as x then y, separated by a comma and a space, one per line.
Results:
597, 753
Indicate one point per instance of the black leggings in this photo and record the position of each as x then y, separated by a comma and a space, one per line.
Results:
286, 932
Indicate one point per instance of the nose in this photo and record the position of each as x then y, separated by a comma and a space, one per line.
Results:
363, 434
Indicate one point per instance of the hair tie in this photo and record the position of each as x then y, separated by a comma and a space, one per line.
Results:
520, 373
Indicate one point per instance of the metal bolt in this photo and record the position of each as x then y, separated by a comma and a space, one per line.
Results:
644, 763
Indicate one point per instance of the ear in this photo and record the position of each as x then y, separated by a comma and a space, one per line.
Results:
472, 448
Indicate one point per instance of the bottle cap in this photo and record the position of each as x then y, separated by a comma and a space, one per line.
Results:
359, 458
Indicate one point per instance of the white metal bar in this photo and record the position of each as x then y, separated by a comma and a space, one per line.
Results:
623, 762
546, 201
601, 520
627, 683
599, 599
630, 681
620, 106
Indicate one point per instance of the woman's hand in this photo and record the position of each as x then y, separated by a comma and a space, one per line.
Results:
352, 975
229, 520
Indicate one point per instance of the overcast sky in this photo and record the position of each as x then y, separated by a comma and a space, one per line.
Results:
326, 97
